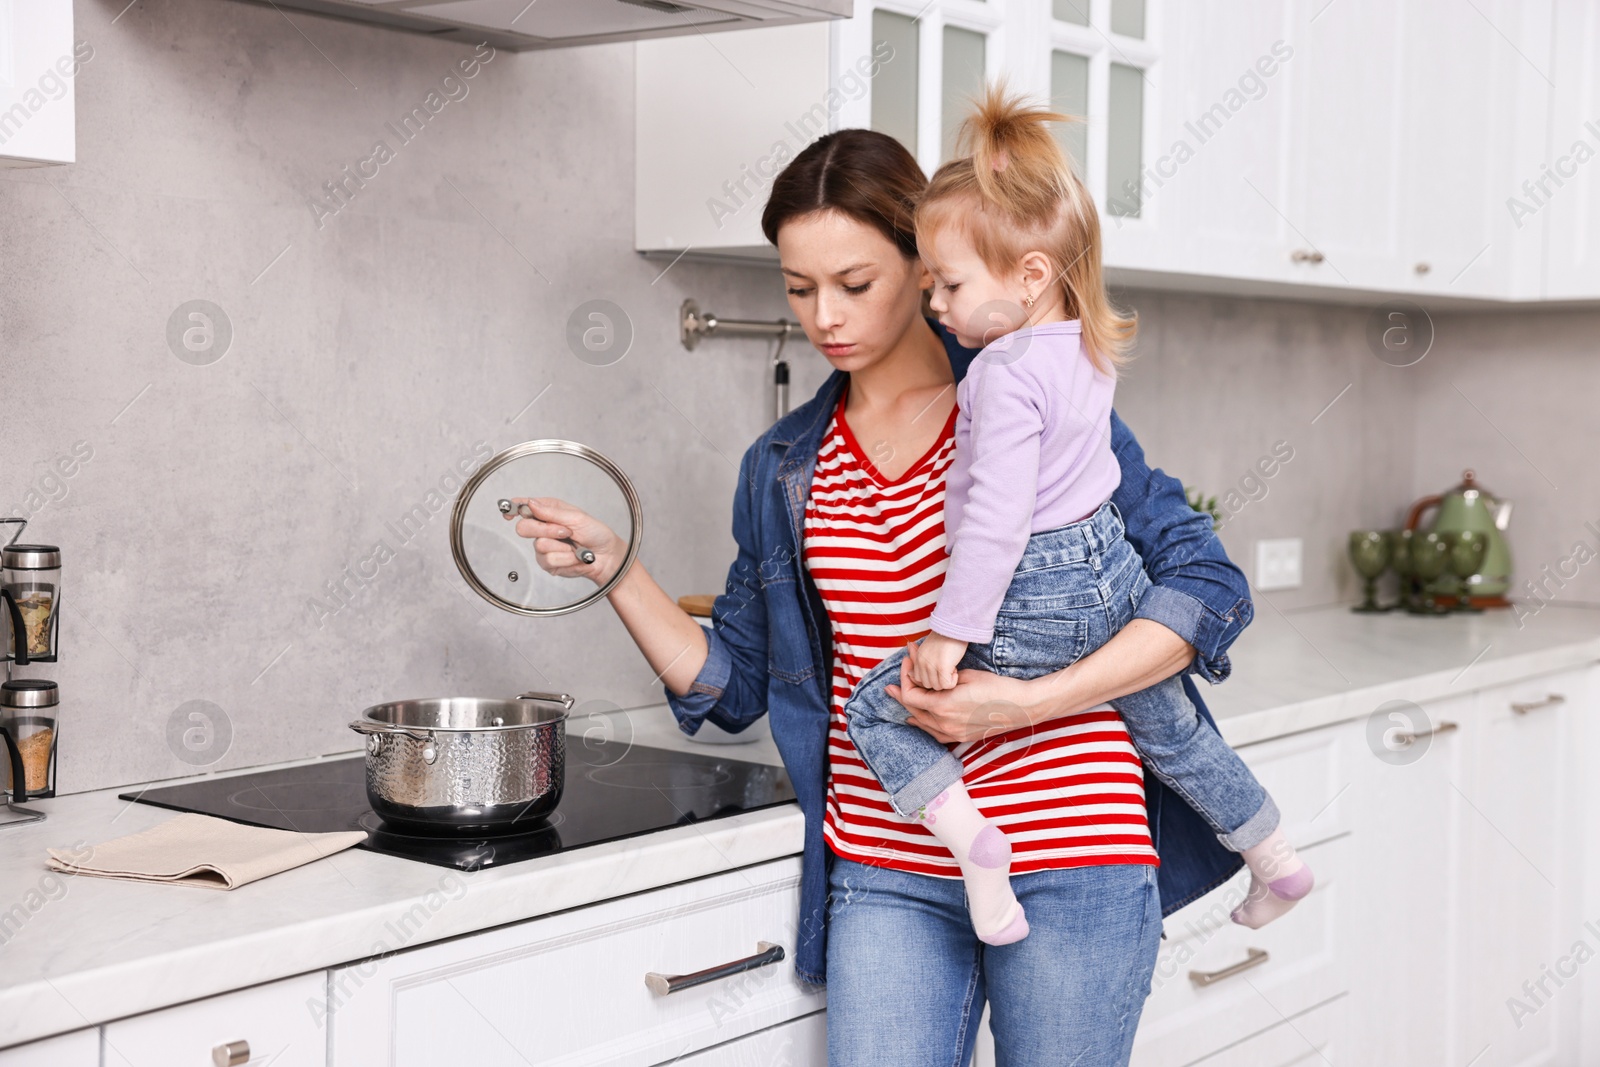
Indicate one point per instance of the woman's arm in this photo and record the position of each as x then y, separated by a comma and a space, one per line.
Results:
673, 643
1196, 590
1139, 655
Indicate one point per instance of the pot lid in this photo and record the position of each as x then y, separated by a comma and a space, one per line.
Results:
502, 566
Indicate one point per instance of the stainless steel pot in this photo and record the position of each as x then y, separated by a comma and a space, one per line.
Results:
464, 765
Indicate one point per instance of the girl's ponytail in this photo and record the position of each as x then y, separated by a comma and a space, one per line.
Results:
1013, 191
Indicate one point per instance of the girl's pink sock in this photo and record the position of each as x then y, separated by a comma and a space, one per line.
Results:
1278, 881
984, 855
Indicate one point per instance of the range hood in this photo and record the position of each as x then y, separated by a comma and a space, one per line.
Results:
520, 25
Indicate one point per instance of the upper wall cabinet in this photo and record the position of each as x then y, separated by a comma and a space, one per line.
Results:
1560, 200
1340, 150
38, 64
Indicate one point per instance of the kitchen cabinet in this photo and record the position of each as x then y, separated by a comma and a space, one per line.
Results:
572, 988
716, 120
1566, 197
38, 66
1444, 883
1520, 894
277, 1023
80, 1048
790, 1044
1341, 151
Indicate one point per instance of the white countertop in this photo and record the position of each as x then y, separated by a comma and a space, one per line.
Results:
77, 951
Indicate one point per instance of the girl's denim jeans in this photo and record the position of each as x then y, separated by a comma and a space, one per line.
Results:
1074, 587
907, 977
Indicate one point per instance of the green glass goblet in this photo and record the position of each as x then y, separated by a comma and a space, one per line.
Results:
1400, 559
1369, 553
1430, 556
1467, 549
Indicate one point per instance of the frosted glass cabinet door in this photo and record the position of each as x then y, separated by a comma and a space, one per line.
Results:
962, 80
894, 89
1069, 94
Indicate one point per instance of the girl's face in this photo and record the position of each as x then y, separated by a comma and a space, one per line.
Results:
851, 289
969, 300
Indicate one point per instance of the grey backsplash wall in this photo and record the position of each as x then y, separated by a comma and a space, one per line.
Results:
426, 323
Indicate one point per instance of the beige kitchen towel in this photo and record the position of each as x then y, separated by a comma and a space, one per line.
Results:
202, 850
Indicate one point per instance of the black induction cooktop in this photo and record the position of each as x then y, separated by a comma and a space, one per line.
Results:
612, 790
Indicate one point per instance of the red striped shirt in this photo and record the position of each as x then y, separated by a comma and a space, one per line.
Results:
1067, 794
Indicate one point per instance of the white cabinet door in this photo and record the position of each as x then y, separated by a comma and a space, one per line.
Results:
1221, 180
38, 64
1403, 811
1348, 77
1573, 182
81, 1048
1519, 878
1218, 985
716, 118
1453, 100
800, 1043
571, 988
280, 1023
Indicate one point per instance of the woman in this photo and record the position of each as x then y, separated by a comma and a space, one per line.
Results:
861, 465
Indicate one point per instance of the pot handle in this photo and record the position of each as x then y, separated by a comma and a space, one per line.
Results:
565, 700
367, 726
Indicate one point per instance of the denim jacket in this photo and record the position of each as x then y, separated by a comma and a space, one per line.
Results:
771, 645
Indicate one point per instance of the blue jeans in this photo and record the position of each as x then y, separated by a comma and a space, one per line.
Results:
1074, 587
907, 977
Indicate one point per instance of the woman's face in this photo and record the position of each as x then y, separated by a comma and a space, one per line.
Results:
851, 289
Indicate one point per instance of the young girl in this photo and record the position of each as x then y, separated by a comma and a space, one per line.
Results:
1039, 572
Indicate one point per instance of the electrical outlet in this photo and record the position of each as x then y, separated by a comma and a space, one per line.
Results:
1278, 564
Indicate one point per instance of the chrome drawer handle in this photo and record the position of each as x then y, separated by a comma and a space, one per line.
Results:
1405, 737
1535, 705
662, 984
232, 1054
1254, 957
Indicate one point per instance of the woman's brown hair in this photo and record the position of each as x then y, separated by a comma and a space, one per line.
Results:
862, 174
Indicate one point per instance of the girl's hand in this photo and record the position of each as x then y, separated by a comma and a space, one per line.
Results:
557, 520
981, 705
933, 660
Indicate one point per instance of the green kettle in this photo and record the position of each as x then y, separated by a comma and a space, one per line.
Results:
1470, 507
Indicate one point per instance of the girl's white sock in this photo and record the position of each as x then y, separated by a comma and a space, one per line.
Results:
984, 854
1278, 881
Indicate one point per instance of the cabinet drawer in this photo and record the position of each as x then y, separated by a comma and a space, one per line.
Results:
570, 988
1309, 1038
81, 1048
281, 1021
1302, 967
800, 1043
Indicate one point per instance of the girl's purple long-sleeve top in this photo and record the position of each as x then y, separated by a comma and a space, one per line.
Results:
1033, 453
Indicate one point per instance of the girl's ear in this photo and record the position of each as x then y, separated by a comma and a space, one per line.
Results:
1037, 270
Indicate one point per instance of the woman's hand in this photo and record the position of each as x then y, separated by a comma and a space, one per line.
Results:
557, 520
981, 705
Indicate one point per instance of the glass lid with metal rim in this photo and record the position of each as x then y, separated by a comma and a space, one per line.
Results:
503, 567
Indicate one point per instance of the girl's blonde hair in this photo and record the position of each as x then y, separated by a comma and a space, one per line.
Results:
1013, 192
